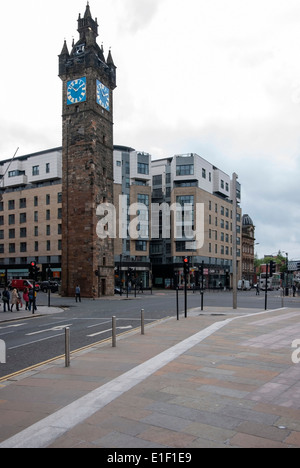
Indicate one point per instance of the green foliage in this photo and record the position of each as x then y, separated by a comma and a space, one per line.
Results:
279, 260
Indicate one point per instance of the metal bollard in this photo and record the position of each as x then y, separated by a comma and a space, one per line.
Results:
142, 322
67, 347
114, 332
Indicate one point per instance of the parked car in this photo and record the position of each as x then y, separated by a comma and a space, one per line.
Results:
53, 285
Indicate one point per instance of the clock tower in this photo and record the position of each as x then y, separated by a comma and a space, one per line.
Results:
87, 125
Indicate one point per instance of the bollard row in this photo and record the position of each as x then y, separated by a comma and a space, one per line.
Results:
114, 336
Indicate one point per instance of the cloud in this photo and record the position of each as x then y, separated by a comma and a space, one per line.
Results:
135, 16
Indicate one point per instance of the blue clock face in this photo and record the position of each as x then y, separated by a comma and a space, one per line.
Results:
76, 90
103, 97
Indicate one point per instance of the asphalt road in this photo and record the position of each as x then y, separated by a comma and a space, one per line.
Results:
38, 339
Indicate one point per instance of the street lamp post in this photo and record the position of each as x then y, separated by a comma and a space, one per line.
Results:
234, 241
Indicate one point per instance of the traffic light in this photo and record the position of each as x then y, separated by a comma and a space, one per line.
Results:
186, 266
201, 268
272, 268
33, 270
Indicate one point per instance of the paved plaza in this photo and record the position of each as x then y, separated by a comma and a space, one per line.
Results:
208, 380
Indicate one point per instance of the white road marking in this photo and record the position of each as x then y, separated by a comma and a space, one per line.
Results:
58, 328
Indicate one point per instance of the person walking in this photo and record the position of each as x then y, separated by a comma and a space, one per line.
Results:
15, 300
6, 299
257, 289
32, 300
77, 293
26, 298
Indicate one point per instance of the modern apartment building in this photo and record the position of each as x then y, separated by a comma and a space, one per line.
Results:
206, 191
132, 200
30, 213
165, 200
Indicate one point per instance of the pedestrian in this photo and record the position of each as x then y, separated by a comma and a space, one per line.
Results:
257, 289
26, 298
294, 290
15, 299
32, 300
6, 299
77, 293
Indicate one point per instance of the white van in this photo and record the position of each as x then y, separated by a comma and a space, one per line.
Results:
244, 285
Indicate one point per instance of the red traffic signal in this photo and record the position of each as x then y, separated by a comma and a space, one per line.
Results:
186, 264
33, 270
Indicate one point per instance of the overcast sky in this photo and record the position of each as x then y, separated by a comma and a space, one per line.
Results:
220, 78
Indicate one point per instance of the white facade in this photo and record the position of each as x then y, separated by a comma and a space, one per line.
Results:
194, 170
31, 169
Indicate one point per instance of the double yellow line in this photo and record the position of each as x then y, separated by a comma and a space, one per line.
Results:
35, 366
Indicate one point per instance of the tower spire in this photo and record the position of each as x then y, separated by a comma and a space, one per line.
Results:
86, 25
87, 11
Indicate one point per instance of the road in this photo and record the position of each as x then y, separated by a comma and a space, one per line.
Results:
38, 339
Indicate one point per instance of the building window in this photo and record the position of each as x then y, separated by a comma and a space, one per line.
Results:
36, 201
11, 234
143, 198
23, 232
47, 215
48, 199
185, 169
11, 219
35, 170
141, 246
48, 246
22, 203
59, 197
182, 246
47, 168
143, 168
12, 248
11, 204
203, 173
23, 218
157, 180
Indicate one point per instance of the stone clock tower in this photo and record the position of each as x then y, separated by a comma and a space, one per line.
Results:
88, 83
